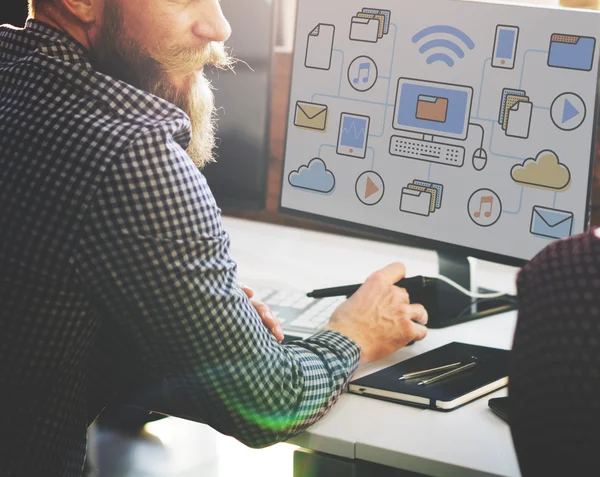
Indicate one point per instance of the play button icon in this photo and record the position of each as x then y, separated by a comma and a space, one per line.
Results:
568, 111
370, 188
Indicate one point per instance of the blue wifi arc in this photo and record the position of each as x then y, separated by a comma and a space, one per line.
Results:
442, 43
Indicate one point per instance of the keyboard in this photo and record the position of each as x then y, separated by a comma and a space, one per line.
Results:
297, 312
427, 151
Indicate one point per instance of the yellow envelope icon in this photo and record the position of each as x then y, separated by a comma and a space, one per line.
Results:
311, 116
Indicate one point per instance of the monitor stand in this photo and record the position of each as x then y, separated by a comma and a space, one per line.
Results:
447, 306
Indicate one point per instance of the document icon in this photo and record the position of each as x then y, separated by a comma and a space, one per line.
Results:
311, 116
571, 52
551, 223
319, 47
432, 108
415, 202
519, 120
365, 29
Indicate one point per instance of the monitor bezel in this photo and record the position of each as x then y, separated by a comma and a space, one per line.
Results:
429, 132
409, 240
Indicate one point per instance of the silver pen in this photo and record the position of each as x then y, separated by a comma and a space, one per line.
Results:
435, 379
418, 374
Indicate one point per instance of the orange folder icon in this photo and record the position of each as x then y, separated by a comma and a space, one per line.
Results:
432, 108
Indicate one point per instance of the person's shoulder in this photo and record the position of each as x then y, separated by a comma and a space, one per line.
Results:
564, 258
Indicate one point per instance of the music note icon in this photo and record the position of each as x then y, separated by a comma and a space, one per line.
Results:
362, 73
362, 68
485, 207
489, 200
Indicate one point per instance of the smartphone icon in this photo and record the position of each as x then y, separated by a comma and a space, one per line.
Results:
505, 46
353, 135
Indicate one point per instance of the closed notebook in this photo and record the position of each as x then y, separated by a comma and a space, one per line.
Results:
489, 374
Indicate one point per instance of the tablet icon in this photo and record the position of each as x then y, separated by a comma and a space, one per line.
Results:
370, 188
353, 135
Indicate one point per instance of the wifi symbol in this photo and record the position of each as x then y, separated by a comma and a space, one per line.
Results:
436, 42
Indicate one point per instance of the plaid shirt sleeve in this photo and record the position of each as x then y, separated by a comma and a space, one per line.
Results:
156, 258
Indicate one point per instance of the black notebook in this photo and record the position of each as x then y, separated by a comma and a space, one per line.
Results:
489, 374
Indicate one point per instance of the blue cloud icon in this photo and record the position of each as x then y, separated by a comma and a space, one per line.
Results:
313, 177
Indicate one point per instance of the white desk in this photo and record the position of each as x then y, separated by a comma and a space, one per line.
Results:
470, 441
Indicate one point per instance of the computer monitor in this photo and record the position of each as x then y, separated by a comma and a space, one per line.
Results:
463, 127
238, 179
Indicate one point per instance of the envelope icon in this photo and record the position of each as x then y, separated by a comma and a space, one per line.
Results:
311, 116
415, 202
551, 223
364, 29
432, 108
571, 52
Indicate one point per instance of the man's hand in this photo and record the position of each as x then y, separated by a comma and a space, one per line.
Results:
266, 315
379, 316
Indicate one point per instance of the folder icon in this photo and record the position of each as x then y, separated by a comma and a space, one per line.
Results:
571, 52
311, 116
551, 223
432, 108
415, 202
365, 29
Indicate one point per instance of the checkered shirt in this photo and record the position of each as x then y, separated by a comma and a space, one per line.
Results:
115, 272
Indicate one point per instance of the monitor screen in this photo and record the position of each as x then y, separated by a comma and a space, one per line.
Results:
238, 178
433, 108
423, 125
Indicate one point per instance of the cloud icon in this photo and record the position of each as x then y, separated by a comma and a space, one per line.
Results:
313, 177
545, 172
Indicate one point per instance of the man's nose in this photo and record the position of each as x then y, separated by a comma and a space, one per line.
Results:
212, 24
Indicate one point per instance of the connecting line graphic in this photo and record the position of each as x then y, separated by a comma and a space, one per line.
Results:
518, 211
429, 171
554, 202
387, 96
341, 70
378, 103
485, 63
525, 63
325, 145
373, 161
482, 133
331, 146
492, 141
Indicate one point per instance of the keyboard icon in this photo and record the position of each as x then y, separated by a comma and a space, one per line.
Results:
429, 151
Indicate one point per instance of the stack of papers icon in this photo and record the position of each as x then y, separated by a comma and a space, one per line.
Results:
515, 113
370, 25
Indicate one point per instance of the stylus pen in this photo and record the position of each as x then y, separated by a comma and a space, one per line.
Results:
435, 379
425, 372
412, 283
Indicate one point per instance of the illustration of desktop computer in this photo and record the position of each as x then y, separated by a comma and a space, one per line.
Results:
434, 111
467, 128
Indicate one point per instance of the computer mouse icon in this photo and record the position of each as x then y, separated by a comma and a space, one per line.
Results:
480, 159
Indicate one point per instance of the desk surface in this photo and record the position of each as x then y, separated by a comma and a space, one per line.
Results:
468, 441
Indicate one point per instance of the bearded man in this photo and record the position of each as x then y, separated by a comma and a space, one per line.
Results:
115, 274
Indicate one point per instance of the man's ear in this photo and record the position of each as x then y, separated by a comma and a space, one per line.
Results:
86, 11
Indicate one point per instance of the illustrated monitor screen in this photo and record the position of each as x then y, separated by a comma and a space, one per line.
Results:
433, 108
464, 127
